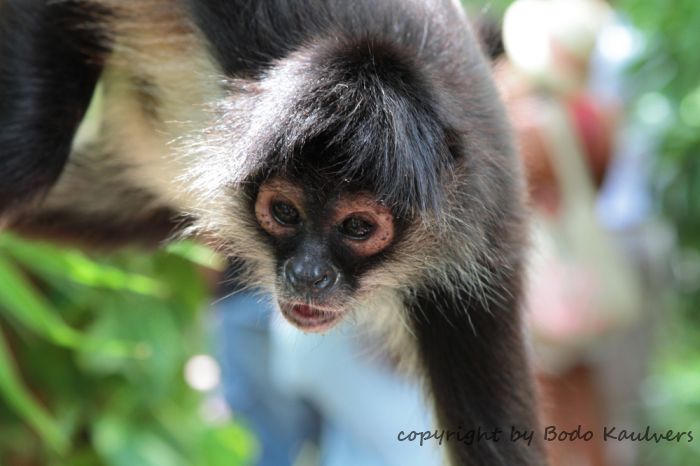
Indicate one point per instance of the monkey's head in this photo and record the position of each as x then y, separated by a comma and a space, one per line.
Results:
344, 157
352, 171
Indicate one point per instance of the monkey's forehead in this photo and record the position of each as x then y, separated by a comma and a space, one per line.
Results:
404, 171
319, 187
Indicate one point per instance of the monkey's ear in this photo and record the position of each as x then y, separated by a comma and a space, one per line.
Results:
49, 65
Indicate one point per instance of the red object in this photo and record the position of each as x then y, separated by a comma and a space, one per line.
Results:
595, 131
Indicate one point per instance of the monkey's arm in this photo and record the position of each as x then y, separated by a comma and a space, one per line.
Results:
477, 369
49, 66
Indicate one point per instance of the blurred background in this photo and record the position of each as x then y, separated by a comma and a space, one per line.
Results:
110, 359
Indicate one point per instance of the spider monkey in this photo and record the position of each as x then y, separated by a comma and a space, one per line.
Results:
353, 156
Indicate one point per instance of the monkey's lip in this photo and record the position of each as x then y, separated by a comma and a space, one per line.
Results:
310, 318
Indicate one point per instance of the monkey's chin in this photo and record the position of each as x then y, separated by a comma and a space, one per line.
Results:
309, 318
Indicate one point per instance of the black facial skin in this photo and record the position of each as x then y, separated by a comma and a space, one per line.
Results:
315, 258
324, 241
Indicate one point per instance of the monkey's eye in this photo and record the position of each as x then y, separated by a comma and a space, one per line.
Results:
356, 228
285, 214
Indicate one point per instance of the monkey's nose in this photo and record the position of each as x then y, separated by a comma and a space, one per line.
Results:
310, 277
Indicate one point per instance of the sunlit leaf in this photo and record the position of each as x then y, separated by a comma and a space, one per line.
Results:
72, 265
227, 445
24, 304
21, 301
197, 254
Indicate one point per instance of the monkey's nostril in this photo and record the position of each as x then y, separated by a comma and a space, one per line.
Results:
298, 268
324, 282
325, 276
308, 277
320, 281
292, 272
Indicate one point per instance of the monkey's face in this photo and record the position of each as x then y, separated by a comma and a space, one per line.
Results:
323, 242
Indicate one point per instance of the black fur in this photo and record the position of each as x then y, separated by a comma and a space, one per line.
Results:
102, 233
49, 65
247, 37
378, 129
379, 125
478, 373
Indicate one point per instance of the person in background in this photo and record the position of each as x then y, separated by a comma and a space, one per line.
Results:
589, 320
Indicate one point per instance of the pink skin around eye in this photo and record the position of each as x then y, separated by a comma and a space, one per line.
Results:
276, 190
368, 209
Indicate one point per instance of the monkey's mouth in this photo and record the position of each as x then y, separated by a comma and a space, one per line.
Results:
310, 318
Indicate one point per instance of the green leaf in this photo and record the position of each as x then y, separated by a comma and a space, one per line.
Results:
20, 300
149, 326
197, 254
18, 398
122, 443
68, 264
227, 445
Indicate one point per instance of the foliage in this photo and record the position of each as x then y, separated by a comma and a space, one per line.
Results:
669, 75
91, 360
672, 396
670, 68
